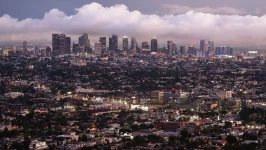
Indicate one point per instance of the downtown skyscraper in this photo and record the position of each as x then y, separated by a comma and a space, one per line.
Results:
103, 43
145, 45
174, 47
61, 44
182, 50
125, 43
68, 45
25, 46
211, 48
84, 42
113, 42
202, 45
134, 44
170, 48
154, 45
204, 49
224, 50
97, 48
192, 50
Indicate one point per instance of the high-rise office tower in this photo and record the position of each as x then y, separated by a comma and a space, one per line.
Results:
61, 44
182, 50
202, 45
77, 48
74, 48
145, 45
170, 48
224, 50
98, 48
174, 48
103, 42
229, 51
113, 43
125, 43
211, 47
192, 50
25, 46
110, 44
68, 45
208, 53
220, 50
134, 44
36, 51
154, 45
84, 42
205, 52
217, 51
43, 52
48, 51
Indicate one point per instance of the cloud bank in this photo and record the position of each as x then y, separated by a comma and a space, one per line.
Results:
178, 9
97, 20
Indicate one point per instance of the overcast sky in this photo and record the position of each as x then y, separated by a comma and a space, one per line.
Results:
234, 22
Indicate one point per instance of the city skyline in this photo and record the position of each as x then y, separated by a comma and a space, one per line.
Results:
126, 75
184, 28
61, 45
